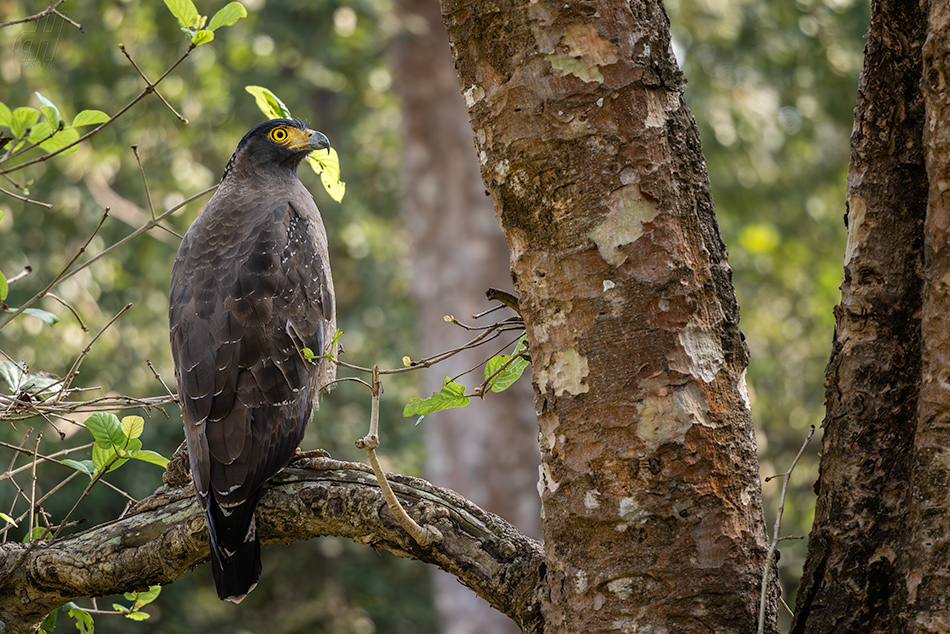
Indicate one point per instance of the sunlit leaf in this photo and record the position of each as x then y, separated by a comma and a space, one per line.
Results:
106, 429
512, 372
4, 287
104, 456
137, 616
90, 117
49, 109
326, 163
6, 117
202, 37
145, 597
269, 104
184, 11
146, 455
228, 15
61, 139
451, 395
23, 119
6, 518
83, 619
133, 426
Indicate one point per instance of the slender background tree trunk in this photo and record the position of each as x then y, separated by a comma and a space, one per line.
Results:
487, 451
852, 581
651, 498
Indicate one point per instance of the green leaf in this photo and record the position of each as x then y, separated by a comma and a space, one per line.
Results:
131, 447
308, 355
49, 623
90, 117
202, 37
515, 368
6, 518
146, 455
137, 616
24, 118
49, 109
6, 117
4, 287
83, 619
106, 429
184, 11
60, 140
326, 163
451, 395
46, 316
36, 533
133, 426
103, 456
145, 597
41, 130
270, 105
228, 15
85, 466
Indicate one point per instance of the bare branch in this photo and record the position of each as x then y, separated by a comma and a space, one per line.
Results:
50, 10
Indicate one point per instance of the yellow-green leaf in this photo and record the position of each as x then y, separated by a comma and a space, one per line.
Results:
23, 119
270, 105
202, 37
132, 426
228, 15
90, 117
184, 11
326, 163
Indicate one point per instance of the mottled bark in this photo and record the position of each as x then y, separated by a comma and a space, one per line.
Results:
165, 535
651, 499
852, 581
487, 451
928, 566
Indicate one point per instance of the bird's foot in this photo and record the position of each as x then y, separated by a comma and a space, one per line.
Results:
300, 456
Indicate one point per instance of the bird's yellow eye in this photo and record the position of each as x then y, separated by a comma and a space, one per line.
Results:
279, 134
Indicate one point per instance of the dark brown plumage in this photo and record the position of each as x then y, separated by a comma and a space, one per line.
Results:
250, 289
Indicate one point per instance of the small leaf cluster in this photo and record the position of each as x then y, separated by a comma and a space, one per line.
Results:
325, 163
50, 134
501, 371
37, 386
116, 443
83, 619
196, 26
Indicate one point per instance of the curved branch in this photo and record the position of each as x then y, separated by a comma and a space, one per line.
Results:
164, 536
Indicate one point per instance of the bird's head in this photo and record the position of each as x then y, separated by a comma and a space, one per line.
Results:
279, 144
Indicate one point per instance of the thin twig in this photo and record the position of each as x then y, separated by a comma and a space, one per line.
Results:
50, 10
422, 535
157, 94
50, 458
73, 371
19, 276
778, 527
67, 306
25, 199
36, 451
59, 277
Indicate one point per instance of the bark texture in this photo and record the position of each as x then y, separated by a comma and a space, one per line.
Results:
164, 536
651, 498
487, 451
852, 580
928, 566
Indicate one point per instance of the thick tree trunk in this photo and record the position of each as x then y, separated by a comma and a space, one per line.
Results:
651, 498
487, 451
928, 565
852, 580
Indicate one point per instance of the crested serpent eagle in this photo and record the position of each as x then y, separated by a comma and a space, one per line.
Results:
250, 290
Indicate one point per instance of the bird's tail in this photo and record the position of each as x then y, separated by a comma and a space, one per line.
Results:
235, 549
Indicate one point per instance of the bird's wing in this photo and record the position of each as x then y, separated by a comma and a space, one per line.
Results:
244, 301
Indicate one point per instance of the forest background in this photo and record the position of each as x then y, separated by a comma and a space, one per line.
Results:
771, 85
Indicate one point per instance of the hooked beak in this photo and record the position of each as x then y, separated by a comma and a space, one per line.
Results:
318, 141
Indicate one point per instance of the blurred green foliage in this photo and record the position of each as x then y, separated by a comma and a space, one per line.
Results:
772, 86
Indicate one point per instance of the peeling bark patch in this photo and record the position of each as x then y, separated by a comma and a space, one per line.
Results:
856, 209
666, 417
566, 372
584, 51
623, 224
703, 351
